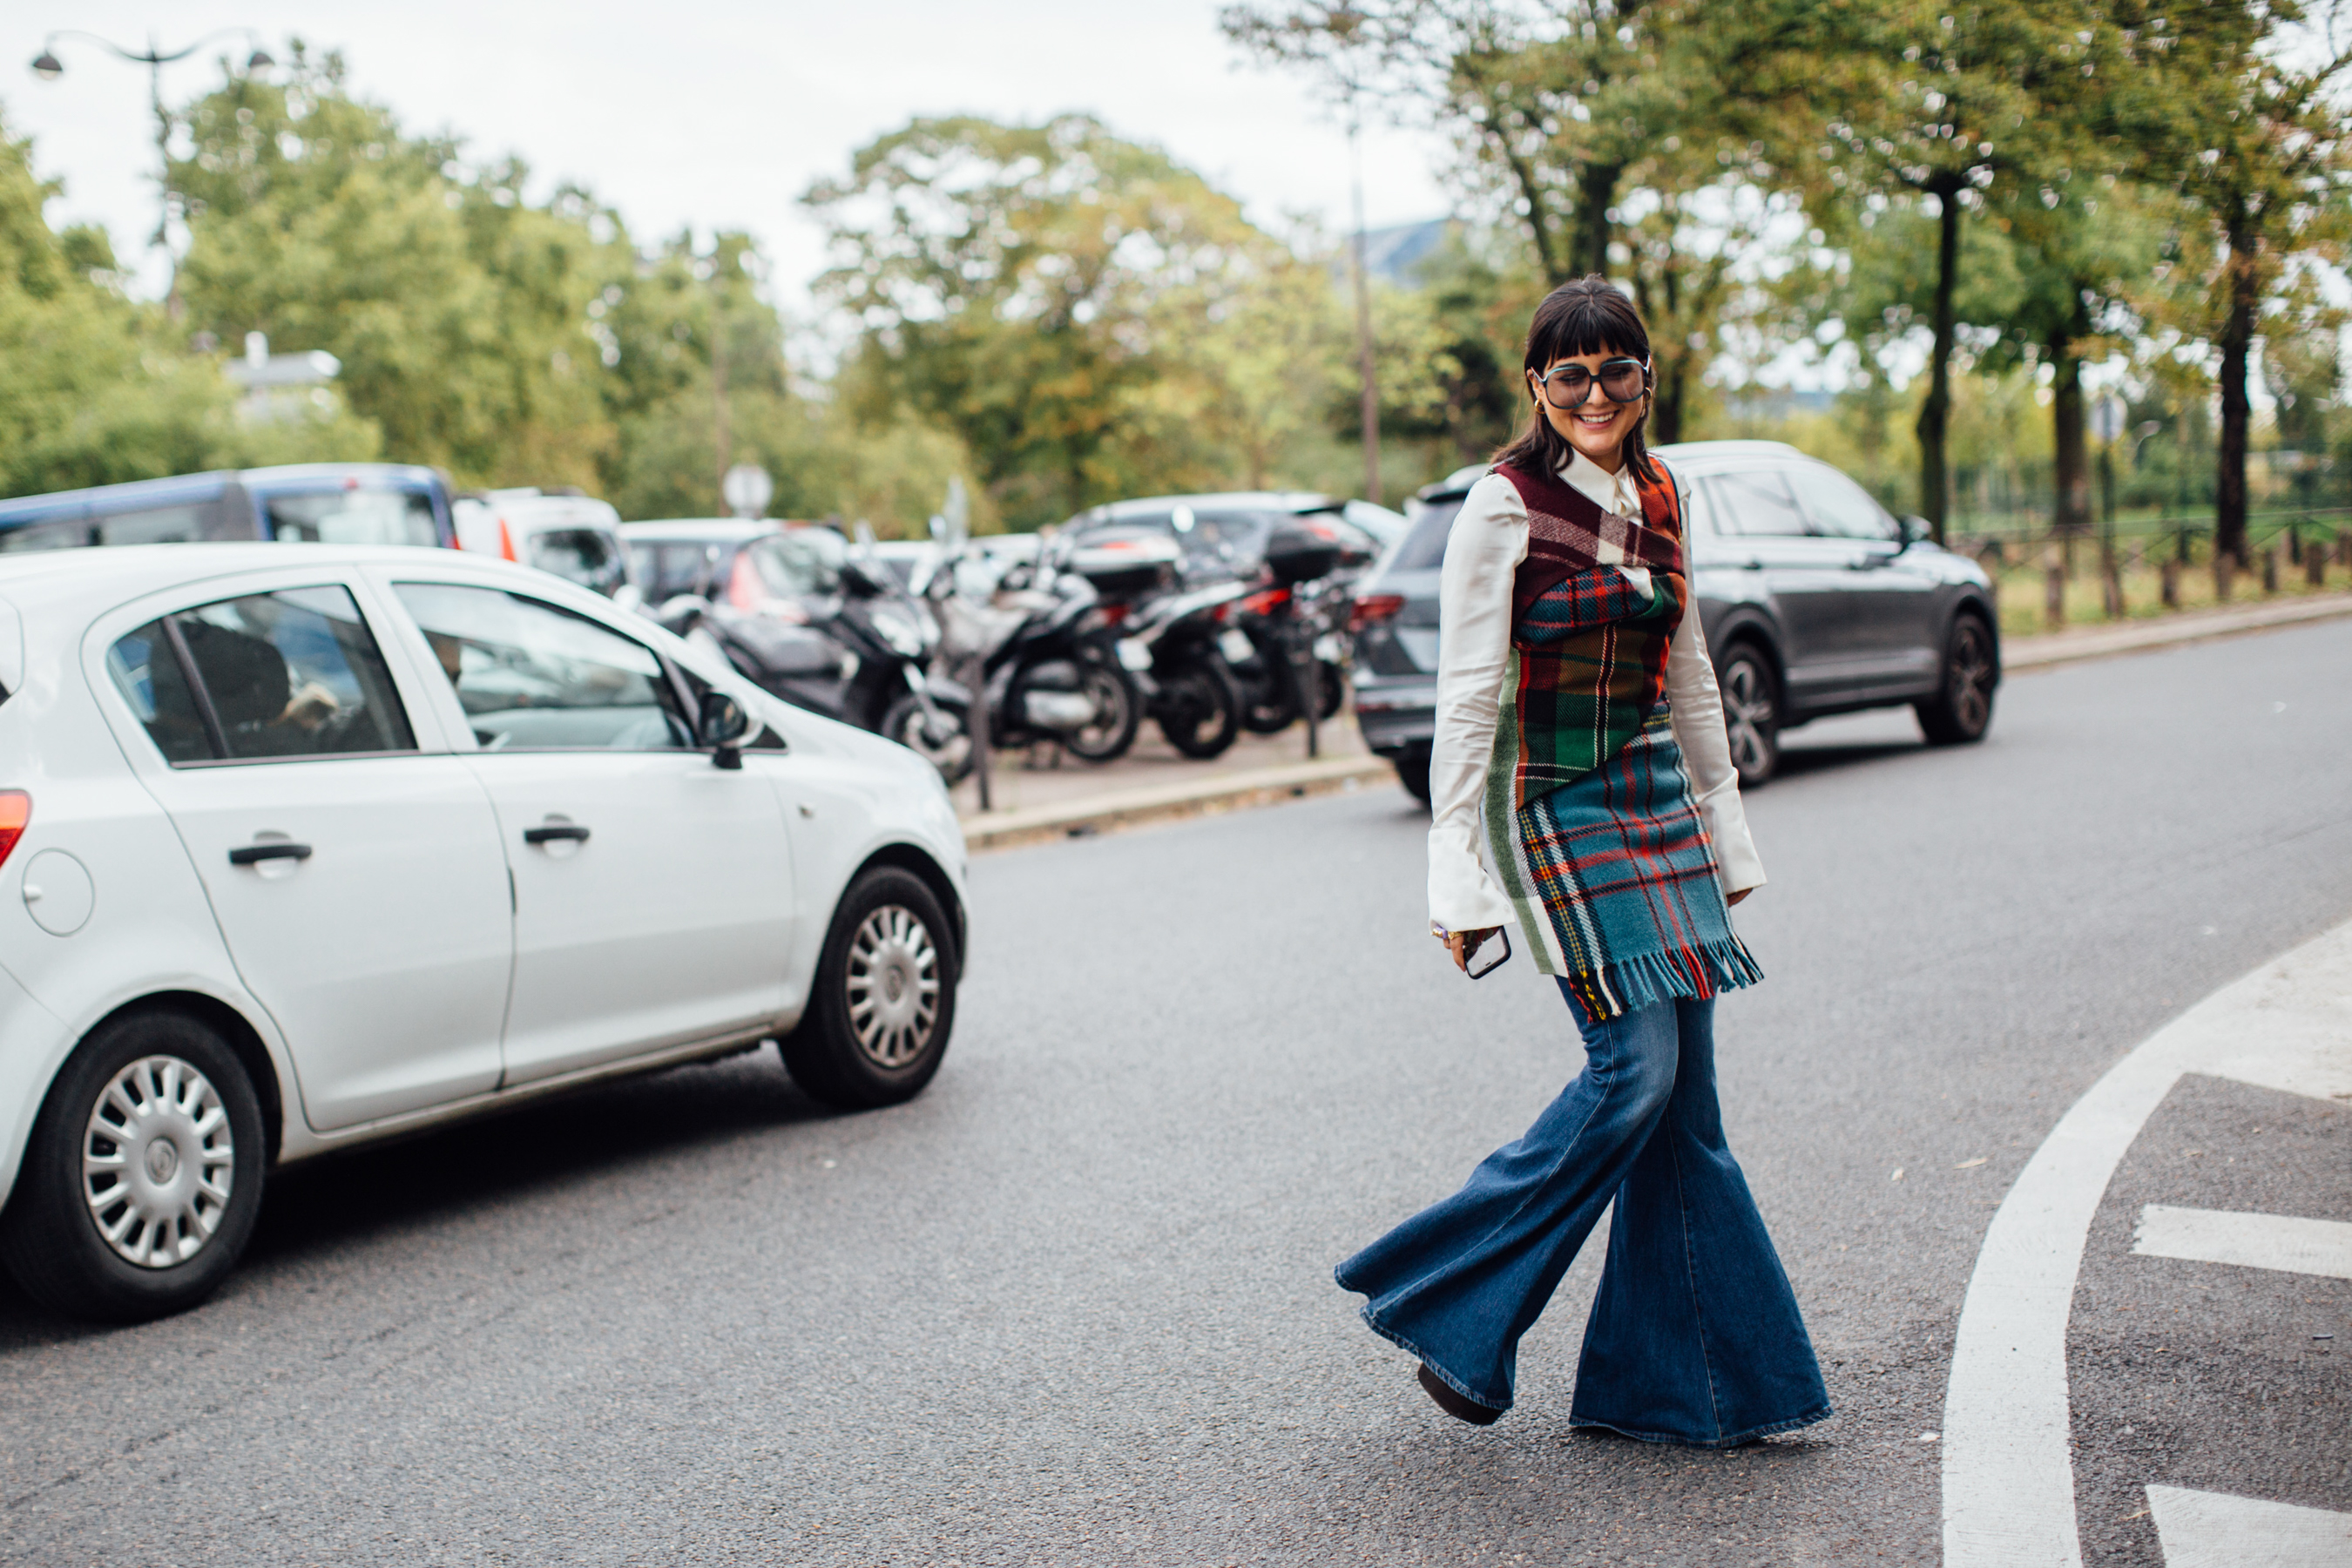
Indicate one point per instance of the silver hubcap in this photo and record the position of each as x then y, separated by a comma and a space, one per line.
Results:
1971, 688
894, 986
157, 1161
1748, 715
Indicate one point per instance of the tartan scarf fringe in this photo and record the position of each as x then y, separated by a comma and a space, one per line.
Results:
1646, 979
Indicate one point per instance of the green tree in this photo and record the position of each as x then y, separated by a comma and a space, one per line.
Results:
91, 393
1010, 281
2230, 108
1883, 102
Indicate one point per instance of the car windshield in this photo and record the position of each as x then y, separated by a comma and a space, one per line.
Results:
352, 516
805, 560
1425, 547
588, 557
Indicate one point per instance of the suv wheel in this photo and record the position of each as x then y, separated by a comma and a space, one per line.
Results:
1751, 711
143, 1177
1962, 711
1412, 772
883, 1001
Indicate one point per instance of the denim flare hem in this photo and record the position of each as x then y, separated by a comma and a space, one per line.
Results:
1405, 1343
1586, 1423
1694, 1335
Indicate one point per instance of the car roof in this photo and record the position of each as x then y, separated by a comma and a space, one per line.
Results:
733, 529
1268, 500
37, 579
1704, 454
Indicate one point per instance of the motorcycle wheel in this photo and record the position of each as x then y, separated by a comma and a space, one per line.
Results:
1118, 711
1333, 683
904, 722
1267, 705
1200, 711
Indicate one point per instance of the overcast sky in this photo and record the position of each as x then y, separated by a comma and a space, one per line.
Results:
717, 113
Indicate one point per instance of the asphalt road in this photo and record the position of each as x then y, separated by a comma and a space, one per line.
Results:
1074, 1305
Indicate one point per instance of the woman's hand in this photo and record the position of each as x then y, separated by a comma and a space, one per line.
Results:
1739, 894
1463, 945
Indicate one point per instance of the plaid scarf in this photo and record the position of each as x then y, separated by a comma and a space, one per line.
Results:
1594, 835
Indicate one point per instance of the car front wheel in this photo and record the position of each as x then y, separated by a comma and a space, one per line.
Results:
1751, 712
143, 1174
883, 1001
1962, 711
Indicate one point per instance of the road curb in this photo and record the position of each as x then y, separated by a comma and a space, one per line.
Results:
2051, 649
1119, 809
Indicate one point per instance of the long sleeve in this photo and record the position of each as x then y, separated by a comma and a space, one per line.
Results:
1707, 753
1483, 551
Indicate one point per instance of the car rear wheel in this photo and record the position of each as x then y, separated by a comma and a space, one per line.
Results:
1412, 772
883, 1001
143, 1174
1751, 711
1962, 711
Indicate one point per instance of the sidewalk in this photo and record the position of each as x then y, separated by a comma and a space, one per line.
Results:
1038, 796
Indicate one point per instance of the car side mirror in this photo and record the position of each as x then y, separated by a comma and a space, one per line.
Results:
723, 725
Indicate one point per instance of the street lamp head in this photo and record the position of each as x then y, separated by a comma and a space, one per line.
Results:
258, 60
47, 67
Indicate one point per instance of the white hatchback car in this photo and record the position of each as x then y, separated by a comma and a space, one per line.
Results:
302, 846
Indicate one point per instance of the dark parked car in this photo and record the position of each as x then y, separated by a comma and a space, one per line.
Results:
331, 504
1815, 600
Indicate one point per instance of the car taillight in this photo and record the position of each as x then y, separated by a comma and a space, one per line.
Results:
15, 810
1265, 601
1373, 610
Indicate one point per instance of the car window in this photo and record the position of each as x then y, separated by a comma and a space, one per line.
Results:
352, 517
1699, 511
1756, 502
588, 557
1841, 508
157, 524
275, 676
679, 566
61, 535
533, 676
1222, 535
1424, 548
805, 560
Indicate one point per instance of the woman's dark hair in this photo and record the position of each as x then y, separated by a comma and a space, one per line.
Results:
1588, 315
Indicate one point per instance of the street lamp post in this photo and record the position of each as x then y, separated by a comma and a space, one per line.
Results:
48, 67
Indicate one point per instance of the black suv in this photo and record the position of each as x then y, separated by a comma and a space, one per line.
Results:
1815, 601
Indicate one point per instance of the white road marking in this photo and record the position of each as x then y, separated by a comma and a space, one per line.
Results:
2008, 1474
2246, 1240
2213, 1529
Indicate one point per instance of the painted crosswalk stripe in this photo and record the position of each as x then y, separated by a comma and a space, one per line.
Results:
2246, 1240
2214, 1530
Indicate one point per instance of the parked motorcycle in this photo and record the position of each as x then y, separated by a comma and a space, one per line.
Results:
1049, 651
1172, 638
862, 656
1295, 612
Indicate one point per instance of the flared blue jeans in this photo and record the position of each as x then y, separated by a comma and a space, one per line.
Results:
1694, 1335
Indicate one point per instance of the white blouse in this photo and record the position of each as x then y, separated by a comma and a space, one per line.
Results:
1483, 551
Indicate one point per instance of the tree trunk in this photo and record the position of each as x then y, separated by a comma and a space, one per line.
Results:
1596, 191
1538, 217
2237, 340
2072, 469
1666, 408
1935, 479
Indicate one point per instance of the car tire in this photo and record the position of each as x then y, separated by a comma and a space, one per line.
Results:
1412, 772
1961, 713
1200, 711
1751, 711
882, 1004
122, 1228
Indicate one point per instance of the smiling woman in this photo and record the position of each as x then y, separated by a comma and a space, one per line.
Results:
1577, 714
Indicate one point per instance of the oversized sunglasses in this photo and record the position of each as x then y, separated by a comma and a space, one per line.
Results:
1571, 386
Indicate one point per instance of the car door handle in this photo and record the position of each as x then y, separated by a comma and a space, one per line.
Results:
254, 854
554, 832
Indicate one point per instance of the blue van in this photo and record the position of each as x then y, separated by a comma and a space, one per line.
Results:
330, 503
